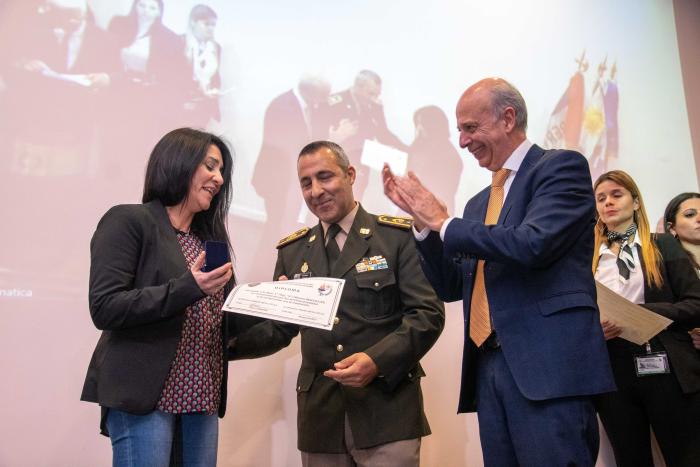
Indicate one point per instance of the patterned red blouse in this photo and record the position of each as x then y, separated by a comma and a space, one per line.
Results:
194, 381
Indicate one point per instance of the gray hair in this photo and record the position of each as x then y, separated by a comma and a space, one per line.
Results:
340, 157
368, 75
504, 95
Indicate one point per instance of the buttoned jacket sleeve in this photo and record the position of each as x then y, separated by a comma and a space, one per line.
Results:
421, 325
120, 296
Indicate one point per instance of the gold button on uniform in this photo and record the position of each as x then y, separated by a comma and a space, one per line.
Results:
339, 347
336, 320
376, 284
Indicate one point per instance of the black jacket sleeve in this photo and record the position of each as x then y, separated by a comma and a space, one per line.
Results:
682, 305
116, 252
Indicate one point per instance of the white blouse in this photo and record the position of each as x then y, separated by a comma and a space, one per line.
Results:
608, 273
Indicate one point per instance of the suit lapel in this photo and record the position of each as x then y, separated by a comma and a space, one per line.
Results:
168, 232
476, 209
356, 244
315, 254
532, 156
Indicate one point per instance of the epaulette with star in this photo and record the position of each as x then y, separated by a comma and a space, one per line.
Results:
293, 237
394, 221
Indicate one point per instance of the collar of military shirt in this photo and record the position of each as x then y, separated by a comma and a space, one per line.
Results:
356, 245
315, 256
332, 248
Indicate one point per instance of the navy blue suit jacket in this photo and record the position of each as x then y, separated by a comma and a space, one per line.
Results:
538, 278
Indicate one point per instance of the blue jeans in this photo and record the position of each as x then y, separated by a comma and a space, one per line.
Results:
147, 440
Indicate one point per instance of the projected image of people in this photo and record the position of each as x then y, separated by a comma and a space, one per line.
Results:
432, 148
203, 54
292, 119
152, 78
55, 76
55, 79
357, 115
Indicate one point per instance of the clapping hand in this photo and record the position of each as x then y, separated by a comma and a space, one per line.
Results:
409, 194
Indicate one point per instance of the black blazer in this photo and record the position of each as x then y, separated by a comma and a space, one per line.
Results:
140, 286
677, 299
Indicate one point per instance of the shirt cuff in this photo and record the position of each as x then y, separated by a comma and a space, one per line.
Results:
443, 229
422, 235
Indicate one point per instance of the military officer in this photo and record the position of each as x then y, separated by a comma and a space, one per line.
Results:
358, 389
356, 115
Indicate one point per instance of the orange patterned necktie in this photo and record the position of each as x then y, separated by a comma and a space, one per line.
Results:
479, 319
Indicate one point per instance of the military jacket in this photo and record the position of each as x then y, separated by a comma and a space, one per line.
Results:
388, 310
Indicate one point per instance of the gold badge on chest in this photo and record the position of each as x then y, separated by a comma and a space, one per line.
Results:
304, 271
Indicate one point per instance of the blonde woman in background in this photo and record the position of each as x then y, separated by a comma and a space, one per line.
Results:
659, 382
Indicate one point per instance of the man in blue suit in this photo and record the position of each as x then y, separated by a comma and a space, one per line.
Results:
520, 258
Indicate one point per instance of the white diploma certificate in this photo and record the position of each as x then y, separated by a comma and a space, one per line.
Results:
308, 302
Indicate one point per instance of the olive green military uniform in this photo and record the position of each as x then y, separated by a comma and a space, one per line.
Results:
388, 310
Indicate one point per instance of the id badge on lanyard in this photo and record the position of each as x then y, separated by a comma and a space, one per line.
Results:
651, 363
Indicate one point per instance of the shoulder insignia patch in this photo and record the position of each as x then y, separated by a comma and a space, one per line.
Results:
292, 237
400, 222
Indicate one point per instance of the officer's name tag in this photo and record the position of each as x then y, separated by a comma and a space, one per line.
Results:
652, 364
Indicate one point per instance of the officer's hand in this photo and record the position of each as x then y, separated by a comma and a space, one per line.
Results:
391, 190
357, 370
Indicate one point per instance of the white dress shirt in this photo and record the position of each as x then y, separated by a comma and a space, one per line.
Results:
75, 42
345, 225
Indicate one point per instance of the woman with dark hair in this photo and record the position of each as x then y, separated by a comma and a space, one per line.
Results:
659, 382
682, 219
159, 362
